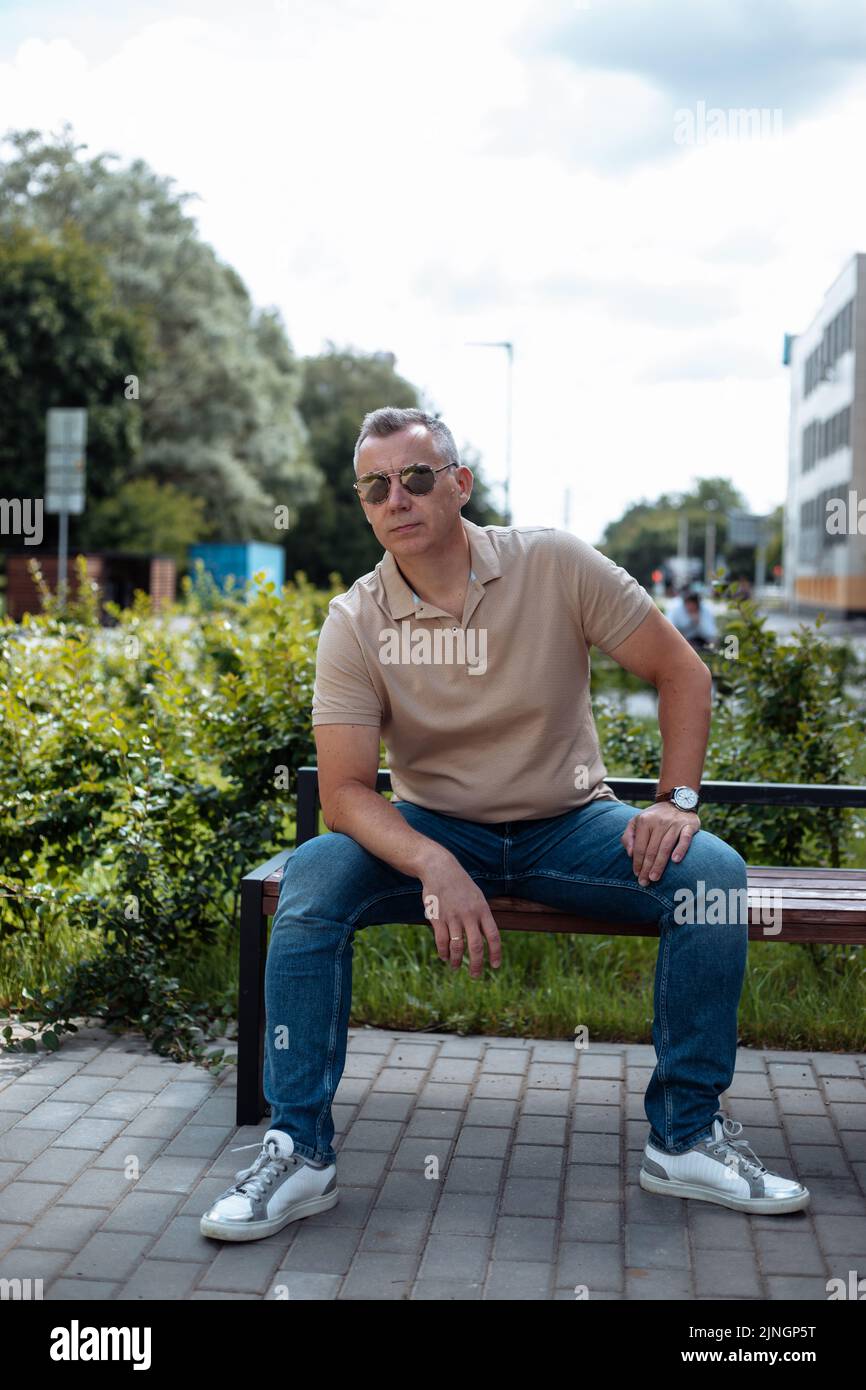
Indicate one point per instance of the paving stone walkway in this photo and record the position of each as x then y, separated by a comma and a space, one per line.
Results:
109, 1154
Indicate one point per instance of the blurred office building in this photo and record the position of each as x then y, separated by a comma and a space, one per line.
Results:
825, 516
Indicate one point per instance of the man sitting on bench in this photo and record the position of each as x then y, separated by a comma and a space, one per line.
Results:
467, 650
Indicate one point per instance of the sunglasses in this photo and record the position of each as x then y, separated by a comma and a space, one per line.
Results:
416, 478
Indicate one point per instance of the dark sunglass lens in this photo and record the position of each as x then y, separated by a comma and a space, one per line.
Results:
418, 480
376, 491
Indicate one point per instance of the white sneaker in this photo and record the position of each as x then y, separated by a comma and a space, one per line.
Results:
715, 1170
280, 1187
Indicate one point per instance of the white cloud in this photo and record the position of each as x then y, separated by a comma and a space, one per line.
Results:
790, 53
361, 164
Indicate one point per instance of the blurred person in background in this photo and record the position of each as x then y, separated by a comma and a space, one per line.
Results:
694, 619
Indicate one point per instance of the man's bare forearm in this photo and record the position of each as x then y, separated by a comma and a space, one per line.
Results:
684, 713
370, 819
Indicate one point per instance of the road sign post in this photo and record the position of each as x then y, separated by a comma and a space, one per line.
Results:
751, 530
65, 452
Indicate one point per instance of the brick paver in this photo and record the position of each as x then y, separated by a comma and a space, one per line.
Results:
469, 1168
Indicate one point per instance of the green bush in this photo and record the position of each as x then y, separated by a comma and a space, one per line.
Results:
143, 768
782, 713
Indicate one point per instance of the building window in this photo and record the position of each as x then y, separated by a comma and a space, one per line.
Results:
814, 535
836, 339
821, 438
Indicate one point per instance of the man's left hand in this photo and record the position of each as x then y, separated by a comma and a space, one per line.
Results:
653, 836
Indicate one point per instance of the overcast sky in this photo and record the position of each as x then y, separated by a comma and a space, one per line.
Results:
409, 174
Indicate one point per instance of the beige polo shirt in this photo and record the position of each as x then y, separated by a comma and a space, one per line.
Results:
488, 719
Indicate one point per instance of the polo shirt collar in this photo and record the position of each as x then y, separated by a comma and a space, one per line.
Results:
403, 602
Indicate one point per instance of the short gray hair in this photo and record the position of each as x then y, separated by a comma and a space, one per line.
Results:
388, 419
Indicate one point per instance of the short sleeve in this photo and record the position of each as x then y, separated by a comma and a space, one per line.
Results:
343, 692
607, 601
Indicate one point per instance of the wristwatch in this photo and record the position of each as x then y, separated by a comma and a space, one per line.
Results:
684, 798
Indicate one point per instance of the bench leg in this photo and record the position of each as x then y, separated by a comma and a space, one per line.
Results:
251, 1103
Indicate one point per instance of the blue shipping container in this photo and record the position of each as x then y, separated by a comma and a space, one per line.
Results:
241, 559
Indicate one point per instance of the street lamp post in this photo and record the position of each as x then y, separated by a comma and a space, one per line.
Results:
509, 388
683, 535
711, 505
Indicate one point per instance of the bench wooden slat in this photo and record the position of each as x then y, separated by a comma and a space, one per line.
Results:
830, 896
762, 872
831, 900
757, 872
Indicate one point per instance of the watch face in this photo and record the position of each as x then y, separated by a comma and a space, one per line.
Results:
685, 798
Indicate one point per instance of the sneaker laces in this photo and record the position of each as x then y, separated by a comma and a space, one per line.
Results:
254, 1180
729, 1143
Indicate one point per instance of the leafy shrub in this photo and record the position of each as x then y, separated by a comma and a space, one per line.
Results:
146, 766
143, 769
782, 713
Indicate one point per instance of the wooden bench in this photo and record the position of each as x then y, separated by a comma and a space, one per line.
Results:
827, 905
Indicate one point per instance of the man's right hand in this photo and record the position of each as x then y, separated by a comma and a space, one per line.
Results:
459, 915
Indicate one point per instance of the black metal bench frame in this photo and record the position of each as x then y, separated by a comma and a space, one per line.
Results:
827, 905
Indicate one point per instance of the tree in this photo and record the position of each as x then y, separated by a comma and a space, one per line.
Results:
64, 341
146, 517
331, 534
648, 532
218, 397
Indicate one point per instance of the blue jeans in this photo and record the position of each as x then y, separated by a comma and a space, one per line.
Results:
574, 861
